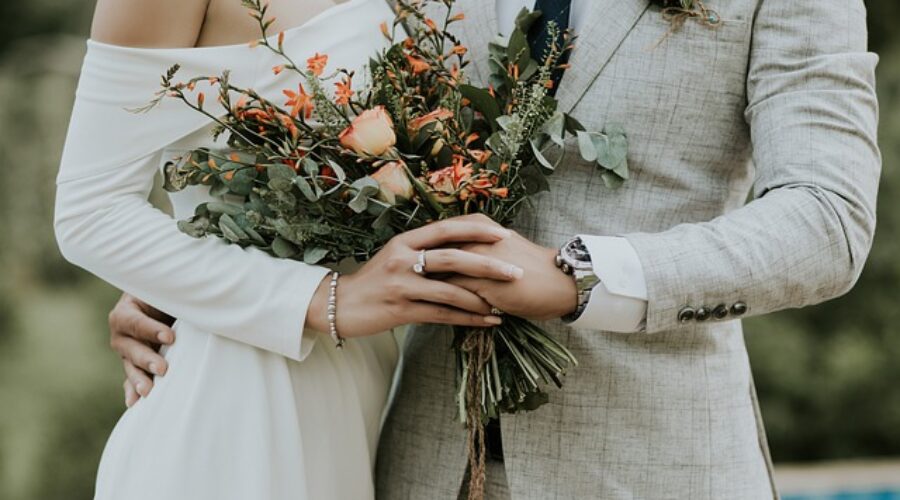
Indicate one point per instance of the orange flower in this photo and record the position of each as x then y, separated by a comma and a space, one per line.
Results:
370, 134
480, 156
344, 91
438, 115
385, 31
459, 50
300, 102
280, 37
431, 24
393, 182
500, 192
288, 123
418, 65
278, 69
201, 98
316, 64
458, 17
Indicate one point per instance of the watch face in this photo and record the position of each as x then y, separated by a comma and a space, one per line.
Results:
576, 251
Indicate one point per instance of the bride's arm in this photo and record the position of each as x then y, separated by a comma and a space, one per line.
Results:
149, 23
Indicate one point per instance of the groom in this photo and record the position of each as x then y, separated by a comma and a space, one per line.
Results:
770, 97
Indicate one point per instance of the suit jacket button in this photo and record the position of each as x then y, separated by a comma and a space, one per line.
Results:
686, 314
720, 312
739, 309
703, 314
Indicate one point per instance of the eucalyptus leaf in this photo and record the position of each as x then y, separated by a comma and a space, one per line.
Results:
383, 220
366, 187
586, 146
310, 166
304, 187
280, 171
314, 255
281, 184
231, 229
555, 128
224, 208
219, 189
612, 180
242, 181
535, 148
283, 248
338, 170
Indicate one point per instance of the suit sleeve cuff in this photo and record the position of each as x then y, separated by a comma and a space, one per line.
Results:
619, 302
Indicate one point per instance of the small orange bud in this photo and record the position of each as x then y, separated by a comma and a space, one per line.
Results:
280, 37
384, 31
201, 98
228, 175
278, 69
458, 17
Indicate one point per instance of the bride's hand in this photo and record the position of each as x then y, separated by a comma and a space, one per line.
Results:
386, 292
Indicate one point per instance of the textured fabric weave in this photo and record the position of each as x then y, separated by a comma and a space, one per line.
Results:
778, 101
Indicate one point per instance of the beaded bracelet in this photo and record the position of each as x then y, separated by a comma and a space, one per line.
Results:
332, 311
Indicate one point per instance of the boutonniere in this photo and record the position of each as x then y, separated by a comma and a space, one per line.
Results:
679, 11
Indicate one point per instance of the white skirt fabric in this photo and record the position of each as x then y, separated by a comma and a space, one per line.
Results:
230, 421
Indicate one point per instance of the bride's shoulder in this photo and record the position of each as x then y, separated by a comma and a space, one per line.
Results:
149, 23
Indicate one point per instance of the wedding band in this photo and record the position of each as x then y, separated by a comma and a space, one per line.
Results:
419, 266
496, 311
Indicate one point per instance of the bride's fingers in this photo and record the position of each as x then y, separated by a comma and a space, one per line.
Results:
139, 379
451, 260
141, 354
131, 395
454, 231
432, 313
446, 294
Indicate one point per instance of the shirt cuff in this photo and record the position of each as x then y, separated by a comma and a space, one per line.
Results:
619, 302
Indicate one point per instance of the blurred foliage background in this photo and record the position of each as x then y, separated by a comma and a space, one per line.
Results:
827, 376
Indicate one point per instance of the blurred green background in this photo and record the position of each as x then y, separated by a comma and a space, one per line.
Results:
827, 376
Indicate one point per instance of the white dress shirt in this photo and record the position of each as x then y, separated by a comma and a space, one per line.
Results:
619, 302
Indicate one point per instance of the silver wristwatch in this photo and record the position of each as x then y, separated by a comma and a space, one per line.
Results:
575, 260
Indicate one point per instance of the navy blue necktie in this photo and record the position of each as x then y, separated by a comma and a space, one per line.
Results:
539, 38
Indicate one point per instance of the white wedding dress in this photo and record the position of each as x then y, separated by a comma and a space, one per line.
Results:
252, 407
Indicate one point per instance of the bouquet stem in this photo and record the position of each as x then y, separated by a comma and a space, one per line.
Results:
479, 348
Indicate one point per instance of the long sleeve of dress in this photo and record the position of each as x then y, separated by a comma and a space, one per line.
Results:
105, 224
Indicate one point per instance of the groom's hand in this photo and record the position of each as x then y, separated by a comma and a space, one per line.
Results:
136, 332
544, 291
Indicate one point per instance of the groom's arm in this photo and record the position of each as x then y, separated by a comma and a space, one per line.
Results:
812, 112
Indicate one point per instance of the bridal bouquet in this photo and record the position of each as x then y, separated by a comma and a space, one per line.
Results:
334, 170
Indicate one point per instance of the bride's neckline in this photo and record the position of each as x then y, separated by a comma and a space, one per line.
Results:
318, 18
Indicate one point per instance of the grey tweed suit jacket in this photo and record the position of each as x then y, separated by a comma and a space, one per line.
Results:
779, 101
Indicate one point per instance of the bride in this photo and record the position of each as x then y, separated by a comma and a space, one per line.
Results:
256, 403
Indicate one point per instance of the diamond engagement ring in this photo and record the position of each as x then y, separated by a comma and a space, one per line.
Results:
419, 266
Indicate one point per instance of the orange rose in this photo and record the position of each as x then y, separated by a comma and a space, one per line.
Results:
370, 134
393, 182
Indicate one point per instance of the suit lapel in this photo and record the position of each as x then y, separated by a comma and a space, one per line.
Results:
608, 23
478, 30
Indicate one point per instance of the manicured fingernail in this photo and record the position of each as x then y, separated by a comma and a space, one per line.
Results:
493, 320
515, 272
163, 337
140, 388
154, 369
